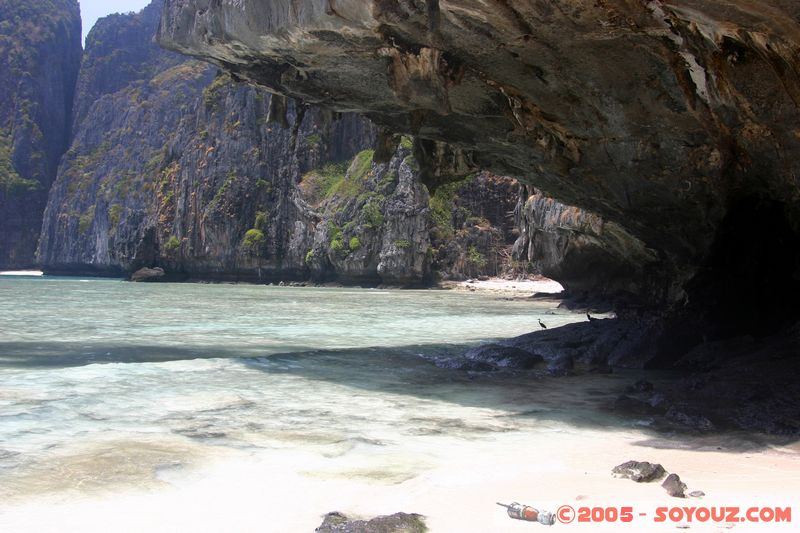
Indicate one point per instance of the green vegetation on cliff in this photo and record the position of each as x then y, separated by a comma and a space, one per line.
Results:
210, 92
254, 240
372, 212
172, 244
442, 210
341, 180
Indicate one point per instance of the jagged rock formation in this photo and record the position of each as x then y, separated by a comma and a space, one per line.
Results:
192, 178
174, 166
40, 52
676, 121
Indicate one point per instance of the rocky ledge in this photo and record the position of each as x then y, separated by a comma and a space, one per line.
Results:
739, 384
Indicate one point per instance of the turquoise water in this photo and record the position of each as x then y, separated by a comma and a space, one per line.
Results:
108, 386
62, 322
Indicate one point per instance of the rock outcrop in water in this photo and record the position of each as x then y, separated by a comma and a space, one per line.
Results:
677, 122
40, 51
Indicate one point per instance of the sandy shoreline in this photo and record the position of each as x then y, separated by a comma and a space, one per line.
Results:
557, 468
547, 459
23, 273
525, 287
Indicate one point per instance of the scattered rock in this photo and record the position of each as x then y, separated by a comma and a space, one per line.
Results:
674, 486
640, 471
696, 494
396, 523
148, 274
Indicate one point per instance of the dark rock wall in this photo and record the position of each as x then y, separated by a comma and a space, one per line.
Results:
40, 50
474, 228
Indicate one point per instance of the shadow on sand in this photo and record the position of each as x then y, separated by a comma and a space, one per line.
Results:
586, 400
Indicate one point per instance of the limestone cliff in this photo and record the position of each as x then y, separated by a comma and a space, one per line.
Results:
174, 165
40, 52
674, 121
119, 52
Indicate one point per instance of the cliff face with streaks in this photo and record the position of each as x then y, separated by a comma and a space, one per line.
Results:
674, 121
40, 52
175, 165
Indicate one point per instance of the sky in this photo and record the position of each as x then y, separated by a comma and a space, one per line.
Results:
91, 10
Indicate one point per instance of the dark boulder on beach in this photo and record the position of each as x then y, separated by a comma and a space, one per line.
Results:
674, 486
640, 471
397, 523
